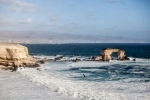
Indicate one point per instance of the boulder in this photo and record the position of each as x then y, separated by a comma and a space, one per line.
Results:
41, 61
16, 55
98, 58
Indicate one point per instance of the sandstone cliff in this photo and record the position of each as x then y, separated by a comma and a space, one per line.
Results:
15, 55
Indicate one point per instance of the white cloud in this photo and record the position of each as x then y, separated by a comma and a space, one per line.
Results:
28, 20
91, 15
18, 5
10, 22
4, 22
53, 19
46, 25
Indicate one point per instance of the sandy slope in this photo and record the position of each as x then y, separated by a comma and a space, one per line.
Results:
14, 86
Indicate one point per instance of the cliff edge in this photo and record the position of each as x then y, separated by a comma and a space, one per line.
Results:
13, 56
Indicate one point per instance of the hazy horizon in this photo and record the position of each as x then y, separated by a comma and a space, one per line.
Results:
70, 21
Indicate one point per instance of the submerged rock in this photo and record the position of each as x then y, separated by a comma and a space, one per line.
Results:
134, 59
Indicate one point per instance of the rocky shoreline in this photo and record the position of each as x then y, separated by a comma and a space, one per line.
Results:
105, 55
13, 56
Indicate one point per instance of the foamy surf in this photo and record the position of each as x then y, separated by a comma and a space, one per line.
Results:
66, 78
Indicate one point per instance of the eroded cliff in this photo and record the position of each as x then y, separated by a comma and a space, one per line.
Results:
15, 55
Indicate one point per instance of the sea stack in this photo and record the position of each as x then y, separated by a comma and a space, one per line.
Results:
13, 56
106, 54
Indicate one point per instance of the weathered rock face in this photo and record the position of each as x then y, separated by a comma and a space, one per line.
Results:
15, 55
106, 54
13, 52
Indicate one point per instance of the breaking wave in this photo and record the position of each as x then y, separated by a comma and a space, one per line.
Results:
114, 80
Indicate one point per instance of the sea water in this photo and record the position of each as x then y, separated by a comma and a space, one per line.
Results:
91, 80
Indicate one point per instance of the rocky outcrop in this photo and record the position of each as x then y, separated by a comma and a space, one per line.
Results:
15, 55
106, 54
98, 58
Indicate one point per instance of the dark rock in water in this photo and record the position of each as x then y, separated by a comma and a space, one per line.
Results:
84, 75
31, 65
41, 61
134, 59
74, 60
15, 68
93, 57
38, 69
126, 58
36, 65
58, 57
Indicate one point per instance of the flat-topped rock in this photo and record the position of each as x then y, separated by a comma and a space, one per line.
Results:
13, 52
15, 55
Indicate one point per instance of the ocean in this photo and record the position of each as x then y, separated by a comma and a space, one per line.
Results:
93, 80
140, 50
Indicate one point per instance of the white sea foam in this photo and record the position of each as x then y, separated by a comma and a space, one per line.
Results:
62, 58
62, 83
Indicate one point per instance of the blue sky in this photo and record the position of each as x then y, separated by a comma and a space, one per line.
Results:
126, 18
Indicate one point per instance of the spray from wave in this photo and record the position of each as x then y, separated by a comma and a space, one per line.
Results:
115, 80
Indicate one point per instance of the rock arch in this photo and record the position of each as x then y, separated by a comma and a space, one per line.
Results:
106, 54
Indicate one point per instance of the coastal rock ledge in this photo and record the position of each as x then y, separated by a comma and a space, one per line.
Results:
13, 56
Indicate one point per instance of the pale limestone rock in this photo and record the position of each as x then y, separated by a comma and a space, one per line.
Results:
13, 52
106, 54
98, 58
15, 55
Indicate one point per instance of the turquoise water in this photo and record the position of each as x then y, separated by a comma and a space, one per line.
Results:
113, 72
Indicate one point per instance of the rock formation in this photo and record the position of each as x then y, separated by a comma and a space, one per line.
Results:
106, 54
98, 58
15, 55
